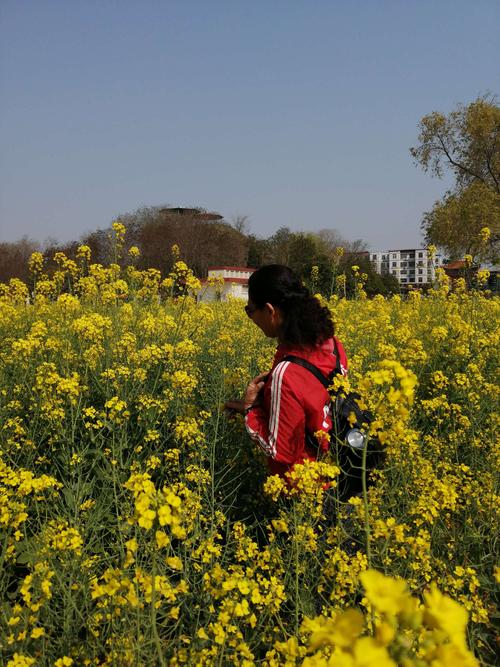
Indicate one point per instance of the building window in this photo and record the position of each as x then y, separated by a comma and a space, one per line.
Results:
420, 280
420, 254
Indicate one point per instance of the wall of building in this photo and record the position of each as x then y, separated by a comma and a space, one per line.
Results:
411, 266
221, 293
230, 272
234, 285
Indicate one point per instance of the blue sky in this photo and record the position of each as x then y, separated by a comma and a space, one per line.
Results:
296, 114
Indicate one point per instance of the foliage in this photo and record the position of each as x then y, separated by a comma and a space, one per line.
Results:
137, 524
467, 142
14, 259
456, 223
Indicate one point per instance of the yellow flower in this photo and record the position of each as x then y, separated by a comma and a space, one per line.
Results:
35, 263
162, 539
368, 653
445, 614
388, 595
37, 632
134, 251
485, 234
447, 655
20, 660
280, 525
341, 631
483, 276
65, 661
385, 633
83, 252
174, 562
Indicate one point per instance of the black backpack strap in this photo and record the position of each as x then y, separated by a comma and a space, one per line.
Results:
310, 367
325, 381
338, 369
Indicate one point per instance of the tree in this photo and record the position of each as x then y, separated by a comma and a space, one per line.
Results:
374, 283
304, 252
99, 245
467, 141
259, 252
381, 284
241, 223
280, 243
14, 258
466, 222
332, 239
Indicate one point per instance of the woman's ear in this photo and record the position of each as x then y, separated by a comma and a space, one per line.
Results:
275, 313
270, 308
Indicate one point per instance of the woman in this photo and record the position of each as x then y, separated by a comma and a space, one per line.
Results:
286, 407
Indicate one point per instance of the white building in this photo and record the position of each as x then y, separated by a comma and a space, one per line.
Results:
224, 281
411, 267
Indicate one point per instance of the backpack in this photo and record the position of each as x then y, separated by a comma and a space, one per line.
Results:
348, 435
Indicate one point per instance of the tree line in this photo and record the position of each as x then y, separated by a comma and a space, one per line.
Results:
205, 239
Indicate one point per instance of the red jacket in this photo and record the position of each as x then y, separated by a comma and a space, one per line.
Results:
293, 402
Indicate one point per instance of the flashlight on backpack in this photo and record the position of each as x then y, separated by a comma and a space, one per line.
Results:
355, 438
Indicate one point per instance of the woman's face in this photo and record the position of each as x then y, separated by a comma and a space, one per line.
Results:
268, 318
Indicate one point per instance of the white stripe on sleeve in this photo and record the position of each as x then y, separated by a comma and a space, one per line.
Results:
274, 417
265, 446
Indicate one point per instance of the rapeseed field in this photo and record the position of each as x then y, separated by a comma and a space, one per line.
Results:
137, 523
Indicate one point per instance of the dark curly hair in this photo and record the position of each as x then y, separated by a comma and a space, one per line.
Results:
305, 321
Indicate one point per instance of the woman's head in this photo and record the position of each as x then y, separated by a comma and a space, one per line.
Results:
281, 306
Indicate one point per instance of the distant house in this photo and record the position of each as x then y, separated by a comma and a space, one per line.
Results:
458, 269
225, 281
411, 266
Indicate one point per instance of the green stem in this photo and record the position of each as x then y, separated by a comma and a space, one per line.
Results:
214, 444
366, 506
296, 564
154, 627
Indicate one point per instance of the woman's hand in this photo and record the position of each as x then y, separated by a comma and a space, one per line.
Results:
251, 395
253, 390
235, 405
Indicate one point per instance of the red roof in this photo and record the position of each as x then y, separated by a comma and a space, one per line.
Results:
458, 264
